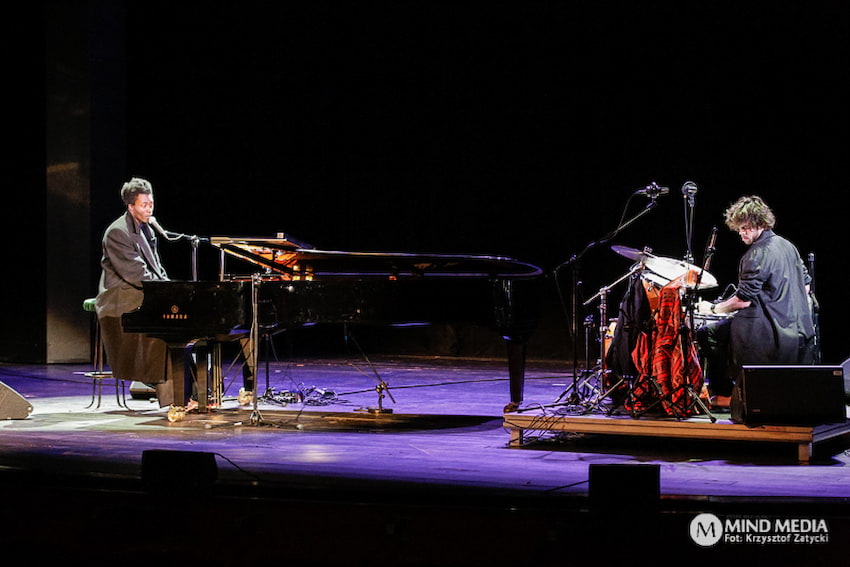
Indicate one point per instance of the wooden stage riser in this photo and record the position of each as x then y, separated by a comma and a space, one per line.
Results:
804, 437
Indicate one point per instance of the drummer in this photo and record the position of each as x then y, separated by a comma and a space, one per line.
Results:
772, 320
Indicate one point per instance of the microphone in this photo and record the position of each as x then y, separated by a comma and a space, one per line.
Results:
159, 229
653, 190
689, 189
170, 236
173, 236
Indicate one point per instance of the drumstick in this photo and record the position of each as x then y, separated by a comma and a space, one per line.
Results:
709, 250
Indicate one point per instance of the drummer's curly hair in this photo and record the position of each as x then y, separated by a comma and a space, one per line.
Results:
749, 211
133, 188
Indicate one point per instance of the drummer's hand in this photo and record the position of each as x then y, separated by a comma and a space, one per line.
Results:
704, 307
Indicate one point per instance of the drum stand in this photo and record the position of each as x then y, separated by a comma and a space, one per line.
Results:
604, 370
687, 330
587, 375
594, 380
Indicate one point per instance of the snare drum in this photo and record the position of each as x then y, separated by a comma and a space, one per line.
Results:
703, 319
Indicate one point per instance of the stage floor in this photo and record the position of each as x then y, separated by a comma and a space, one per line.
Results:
442, 456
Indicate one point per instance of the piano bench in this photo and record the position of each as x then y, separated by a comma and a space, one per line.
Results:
98, 374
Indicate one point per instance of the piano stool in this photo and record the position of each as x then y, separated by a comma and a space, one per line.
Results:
98, 375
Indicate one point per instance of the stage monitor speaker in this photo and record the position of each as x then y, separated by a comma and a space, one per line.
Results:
12, 404
792, 395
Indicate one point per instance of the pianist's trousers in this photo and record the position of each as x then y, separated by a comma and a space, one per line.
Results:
133, 356
137, 357
173, 390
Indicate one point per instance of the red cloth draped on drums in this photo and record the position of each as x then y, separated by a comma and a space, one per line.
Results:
668, 356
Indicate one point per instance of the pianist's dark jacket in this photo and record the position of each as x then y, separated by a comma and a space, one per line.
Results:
128, 260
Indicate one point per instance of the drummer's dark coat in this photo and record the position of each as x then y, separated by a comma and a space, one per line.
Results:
773, 278
634, 318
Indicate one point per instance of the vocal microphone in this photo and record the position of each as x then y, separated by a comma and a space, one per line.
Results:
689, 189
653, 190
173, 236
159, 229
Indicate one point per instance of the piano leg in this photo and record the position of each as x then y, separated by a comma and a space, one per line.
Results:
202, 375
516, 308
216, 379
516, 369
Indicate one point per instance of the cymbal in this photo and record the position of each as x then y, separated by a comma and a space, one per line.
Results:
661, 271
630, 253
670, 269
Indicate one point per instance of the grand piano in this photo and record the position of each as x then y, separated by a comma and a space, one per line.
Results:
292, 284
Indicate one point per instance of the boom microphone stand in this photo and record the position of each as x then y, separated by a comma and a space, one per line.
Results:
652, 191
686, 331
173, 237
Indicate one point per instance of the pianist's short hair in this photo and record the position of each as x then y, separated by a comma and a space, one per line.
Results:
749, 211
133, 188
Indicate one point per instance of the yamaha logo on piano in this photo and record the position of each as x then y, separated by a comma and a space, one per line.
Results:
175, 314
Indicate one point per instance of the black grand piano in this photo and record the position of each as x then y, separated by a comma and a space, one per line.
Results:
294, 284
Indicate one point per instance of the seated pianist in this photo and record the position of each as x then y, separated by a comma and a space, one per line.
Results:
130, 257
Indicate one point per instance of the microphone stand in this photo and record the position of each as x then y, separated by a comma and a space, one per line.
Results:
193, 239
815, 308
687, 328
652, 191
256, 281
689, 190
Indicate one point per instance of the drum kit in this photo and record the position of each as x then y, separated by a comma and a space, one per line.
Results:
655, 273
661, 343
658, 271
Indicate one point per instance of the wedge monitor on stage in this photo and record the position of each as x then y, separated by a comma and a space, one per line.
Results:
793, 395
12, 404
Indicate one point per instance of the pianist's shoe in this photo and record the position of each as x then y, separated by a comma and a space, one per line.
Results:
245, 398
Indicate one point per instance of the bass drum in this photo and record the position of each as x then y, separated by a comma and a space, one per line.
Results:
607, 339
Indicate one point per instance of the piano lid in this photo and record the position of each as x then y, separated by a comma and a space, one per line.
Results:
291, 258
278, 254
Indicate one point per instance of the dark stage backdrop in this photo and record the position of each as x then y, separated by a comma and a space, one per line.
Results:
515, 128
